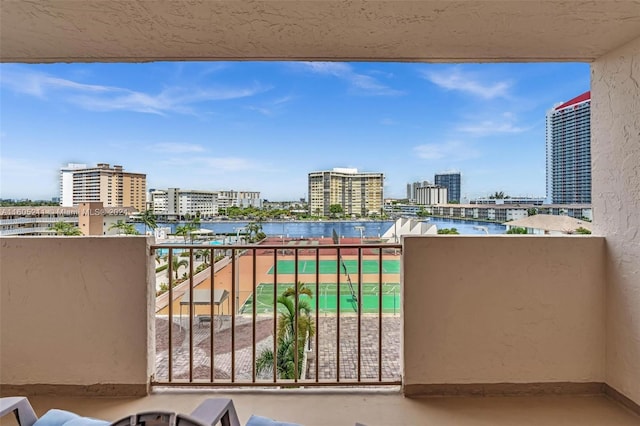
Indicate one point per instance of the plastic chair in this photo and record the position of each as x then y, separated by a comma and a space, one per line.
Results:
210, 412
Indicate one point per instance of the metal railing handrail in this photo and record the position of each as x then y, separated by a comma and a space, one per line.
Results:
344, 374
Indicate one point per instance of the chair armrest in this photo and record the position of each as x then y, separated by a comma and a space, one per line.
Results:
20, 406
214, 410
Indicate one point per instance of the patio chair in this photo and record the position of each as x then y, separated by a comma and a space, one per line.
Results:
211, 412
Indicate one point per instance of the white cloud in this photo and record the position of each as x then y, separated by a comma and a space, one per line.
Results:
450, 150
491, 127
362, 83
455, 79
175, 147
273, 107
108, 98
506, 123
38, 84
337, 69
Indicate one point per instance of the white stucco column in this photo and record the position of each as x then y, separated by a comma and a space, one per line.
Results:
615, 148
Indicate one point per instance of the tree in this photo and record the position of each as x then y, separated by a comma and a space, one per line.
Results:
255, 231
124, 228
448, 231
517, 230
204, 254
149, 219
66, 228
287, 333
422, 212
186, 230
498, 196
335, 209
160, 258
532, 211
176, 263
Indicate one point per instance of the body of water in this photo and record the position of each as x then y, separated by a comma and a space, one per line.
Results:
305, 229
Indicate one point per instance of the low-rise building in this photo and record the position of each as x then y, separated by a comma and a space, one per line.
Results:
90, 218
544, 224
242, 199
535, 201
508, 212
176, 203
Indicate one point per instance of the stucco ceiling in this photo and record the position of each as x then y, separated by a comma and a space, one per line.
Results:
454, 30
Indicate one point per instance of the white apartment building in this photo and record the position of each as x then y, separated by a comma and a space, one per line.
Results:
412, 187
429, 195
66, 183
242, 199
508, 212
174, 203
535, 201
568, 149
359, 194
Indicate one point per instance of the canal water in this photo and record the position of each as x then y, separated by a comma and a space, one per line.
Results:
324, 228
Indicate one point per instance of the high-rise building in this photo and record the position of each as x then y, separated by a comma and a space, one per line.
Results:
569, 151
451, 181
358, 194
428, 195
412, 188
112, 186
66, 183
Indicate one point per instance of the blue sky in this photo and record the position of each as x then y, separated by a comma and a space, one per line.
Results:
263, 126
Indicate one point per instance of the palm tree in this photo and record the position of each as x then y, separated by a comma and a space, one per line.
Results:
176, 263
124, 228
286, 334
254, 229
204, 254
65, 228
185, 231
149, 220
160, 258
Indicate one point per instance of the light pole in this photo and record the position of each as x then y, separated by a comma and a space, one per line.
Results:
361, 229
238, 233
482, 228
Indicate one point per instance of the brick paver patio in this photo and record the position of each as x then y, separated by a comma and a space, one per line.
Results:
327, 332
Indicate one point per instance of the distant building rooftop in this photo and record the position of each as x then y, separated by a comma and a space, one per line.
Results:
581, 98
550, 223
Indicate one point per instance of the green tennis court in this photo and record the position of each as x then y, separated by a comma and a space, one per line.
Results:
328, 299
330, 267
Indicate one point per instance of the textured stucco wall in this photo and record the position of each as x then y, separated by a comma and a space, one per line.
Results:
615, 153
503, 309
75, 311
435, 30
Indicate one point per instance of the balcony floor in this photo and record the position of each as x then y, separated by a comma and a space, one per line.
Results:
327, 407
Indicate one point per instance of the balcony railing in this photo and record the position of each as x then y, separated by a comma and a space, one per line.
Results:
243, 321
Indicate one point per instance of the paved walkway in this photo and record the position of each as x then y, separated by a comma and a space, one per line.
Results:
327, 328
